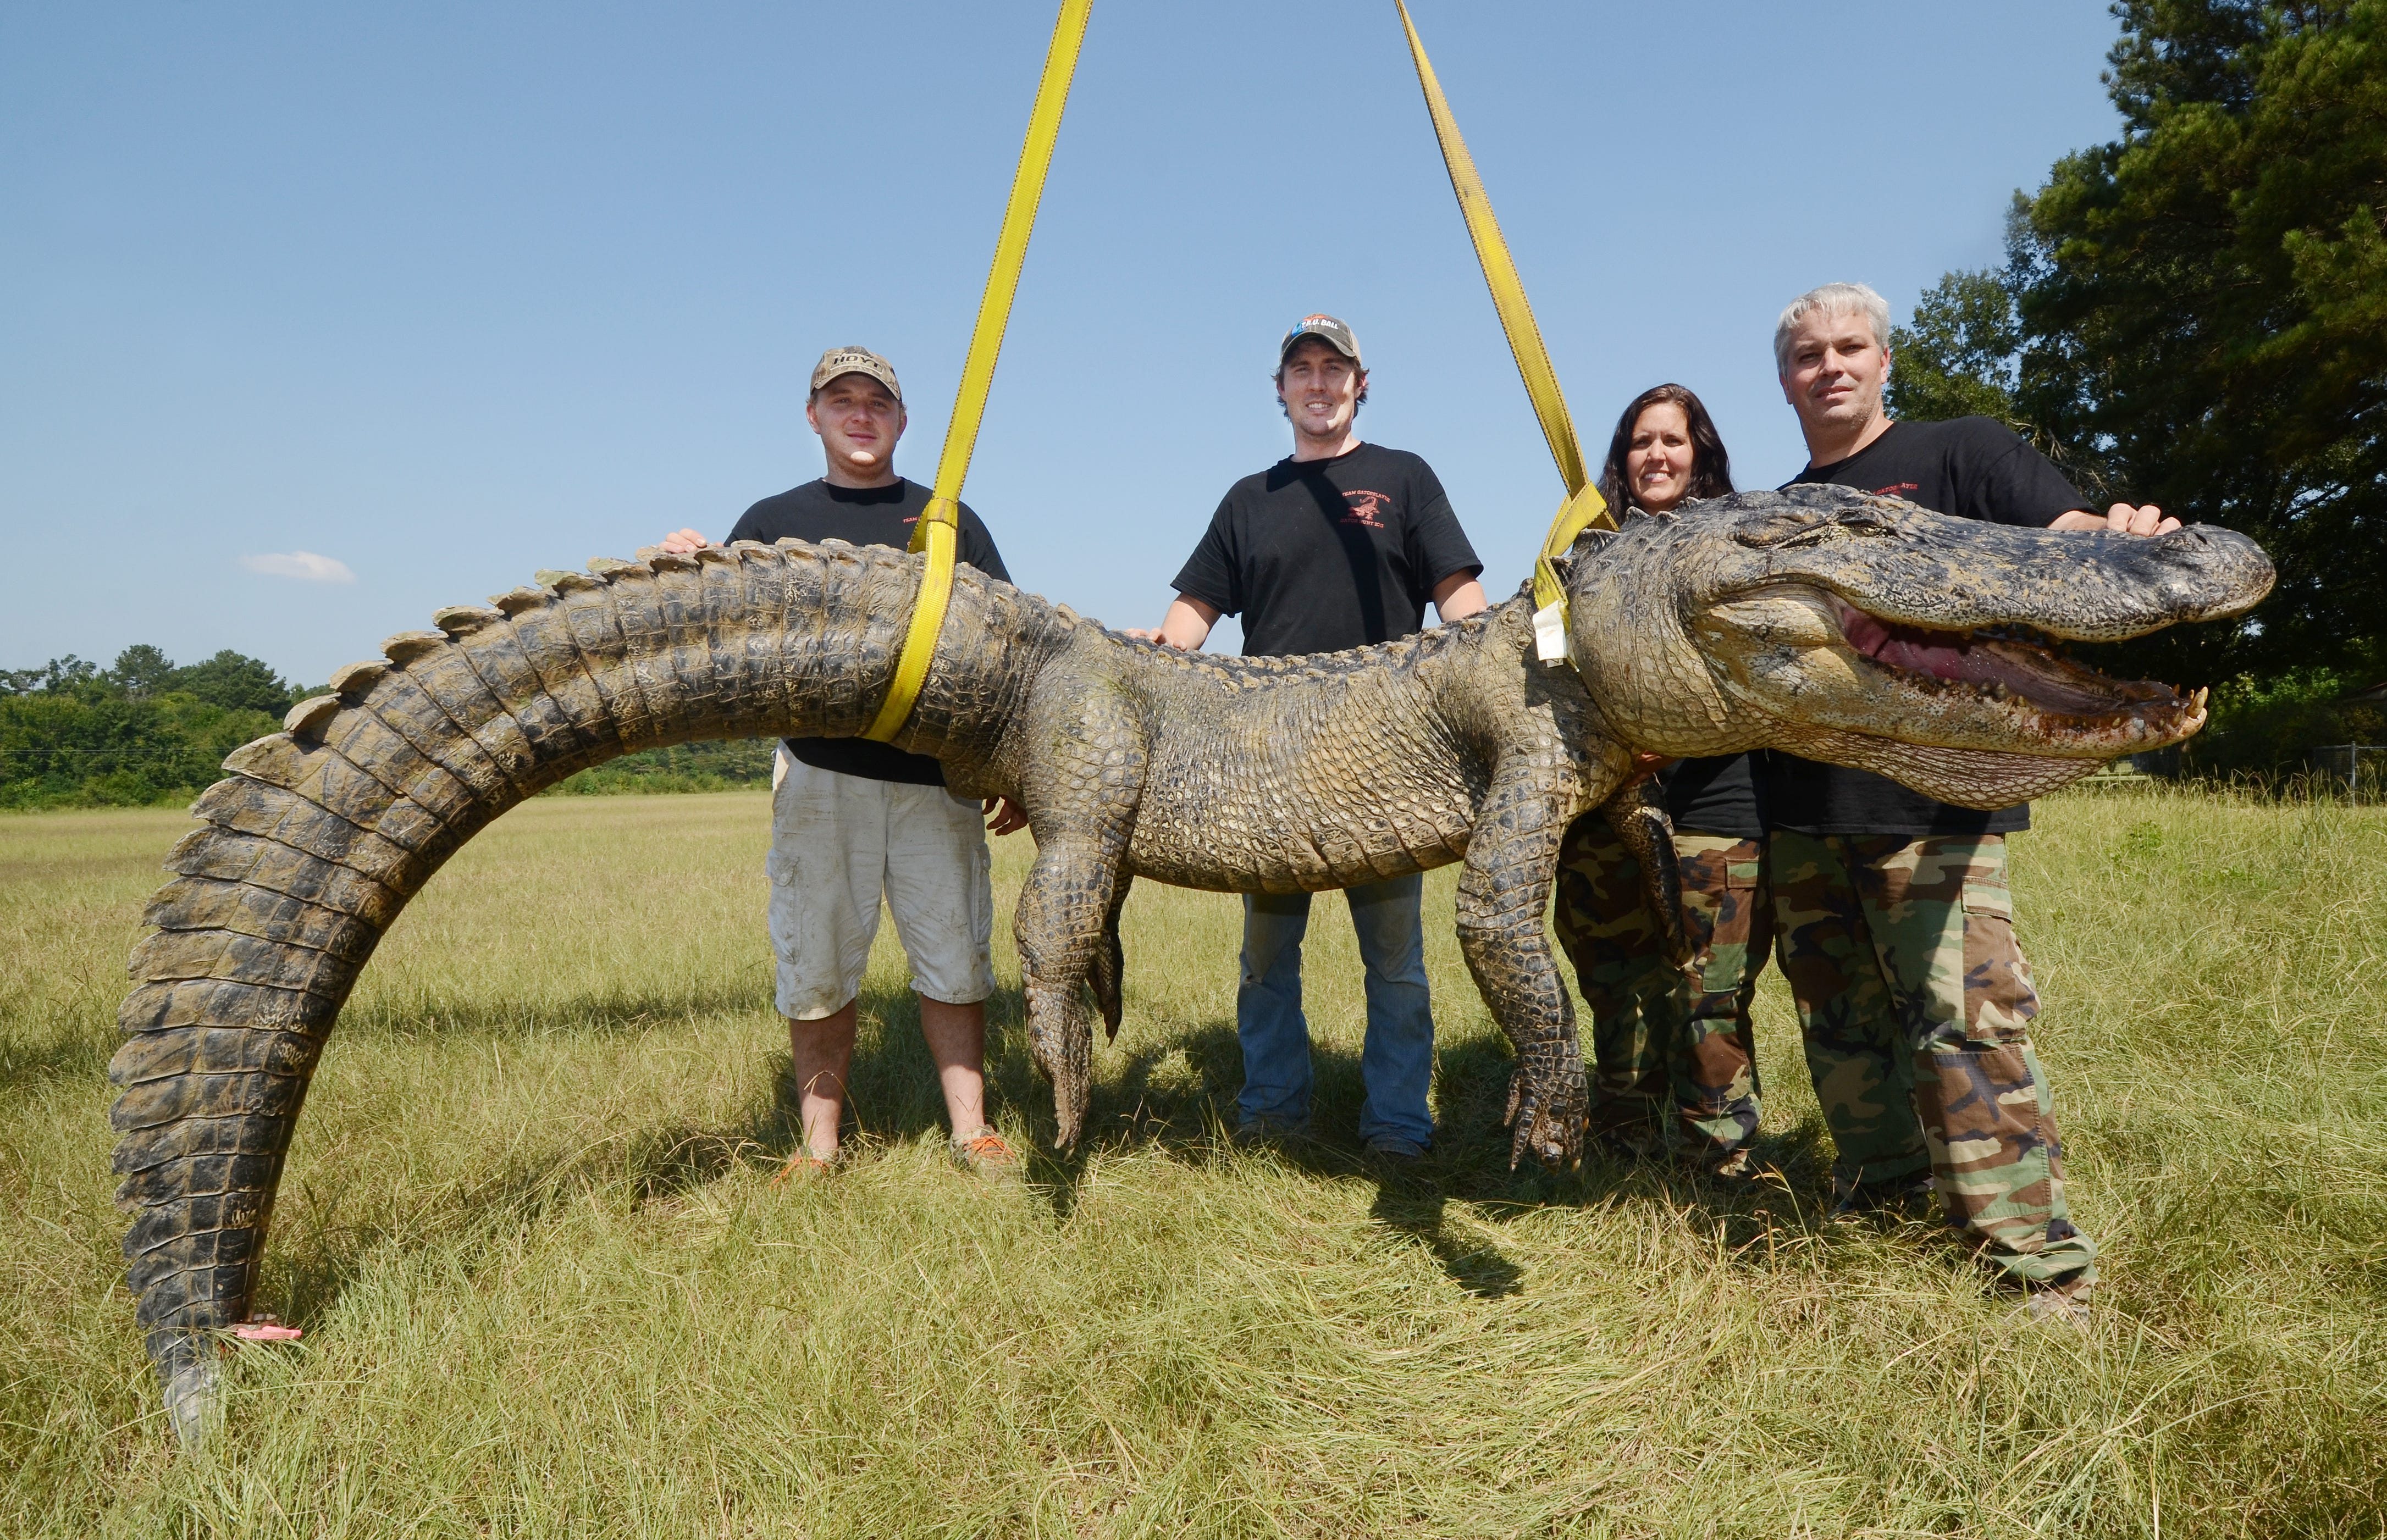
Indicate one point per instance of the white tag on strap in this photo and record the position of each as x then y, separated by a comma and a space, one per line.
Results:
1550, 632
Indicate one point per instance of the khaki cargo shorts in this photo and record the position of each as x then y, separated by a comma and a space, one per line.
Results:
837, 843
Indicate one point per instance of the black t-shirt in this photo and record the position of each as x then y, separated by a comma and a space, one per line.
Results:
1718, 794
1973, 468
1324, 554
864, 516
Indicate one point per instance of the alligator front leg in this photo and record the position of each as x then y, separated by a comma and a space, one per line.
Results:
1106, 974
1504, 891
1646, 830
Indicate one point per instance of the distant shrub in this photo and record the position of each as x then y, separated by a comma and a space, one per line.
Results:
2266, 729
142, 732
61, 751
717, 767
147, 731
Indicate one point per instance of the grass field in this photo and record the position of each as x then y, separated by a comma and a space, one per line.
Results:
546, 1289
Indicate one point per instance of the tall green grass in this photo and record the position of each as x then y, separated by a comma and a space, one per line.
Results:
548, 1290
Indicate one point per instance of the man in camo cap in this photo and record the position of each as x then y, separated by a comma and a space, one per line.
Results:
852, 819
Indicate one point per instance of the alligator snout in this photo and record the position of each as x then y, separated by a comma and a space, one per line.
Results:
2200, 572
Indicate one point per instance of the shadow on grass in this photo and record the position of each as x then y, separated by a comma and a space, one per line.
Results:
608, 1011
308, 1272
1175, 1091
66, 1054
892, 1096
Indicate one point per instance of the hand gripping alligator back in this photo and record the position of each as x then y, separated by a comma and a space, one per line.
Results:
1693, 635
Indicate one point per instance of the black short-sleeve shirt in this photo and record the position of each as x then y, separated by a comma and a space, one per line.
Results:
1973, 468
1319, 555
864, 516
1716, 794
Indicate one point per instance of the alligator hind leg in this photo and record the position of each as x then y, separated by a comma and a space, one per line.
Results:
1065, 927
1081, 798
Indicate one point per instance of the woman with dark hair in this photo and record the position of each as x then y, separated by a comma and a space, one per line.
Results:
1665, 450
1667, 1050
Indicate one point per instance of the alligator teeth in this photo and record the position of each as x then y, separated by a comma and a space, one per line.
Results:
2197, 697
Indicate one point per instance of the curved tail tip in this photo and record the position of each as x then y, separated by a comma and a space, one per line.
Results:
194, 1401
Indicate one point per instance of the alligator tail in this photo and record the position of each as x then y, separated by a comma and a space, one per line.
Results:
322, 833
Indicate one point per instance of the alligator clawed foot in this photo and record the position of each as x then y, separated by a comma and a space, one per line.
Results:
1548, 1121
1061, 1055
1071, 1122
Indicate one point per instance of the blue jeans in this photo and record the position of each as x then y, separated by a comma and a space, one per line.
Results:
1397, 1060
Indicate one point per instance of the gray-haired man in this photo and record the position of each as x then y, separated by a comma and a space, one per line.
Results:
1894, 923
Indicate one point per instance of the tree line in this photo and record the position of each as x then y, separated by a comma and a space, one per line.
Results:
2195, 315
147, 731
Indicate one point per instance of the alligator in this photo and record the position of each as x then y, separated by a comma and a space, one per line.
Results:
1843, 626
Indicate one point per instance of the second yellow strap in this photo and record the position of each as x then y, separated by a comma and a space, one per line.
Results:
1583, 506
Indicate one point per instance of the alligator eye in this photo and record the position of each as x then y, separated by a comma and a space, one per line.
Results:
1799, 526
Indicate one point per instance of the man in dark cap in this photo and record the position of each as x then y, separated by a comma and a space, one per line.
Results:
1340, 545
852, 819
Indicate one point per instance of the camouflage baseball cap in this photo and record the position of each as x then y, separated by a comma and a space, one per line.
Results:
1326, 329
856, 361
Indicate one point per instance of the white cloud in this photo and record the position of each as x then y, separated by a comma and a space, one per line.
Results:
304, 566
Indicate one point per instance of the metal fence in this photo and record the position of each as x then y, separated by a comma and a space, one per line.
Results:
2355, 767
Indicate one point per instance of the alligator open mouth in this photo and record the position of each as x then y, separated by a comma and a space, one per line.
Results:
2065, 699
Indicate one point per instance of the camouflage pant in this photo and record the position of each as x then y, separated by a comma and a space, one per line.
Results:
1662, 1051
1915, 1004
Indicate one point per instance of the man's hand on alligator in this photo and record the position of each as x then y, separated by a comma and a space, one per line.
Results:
2121, 519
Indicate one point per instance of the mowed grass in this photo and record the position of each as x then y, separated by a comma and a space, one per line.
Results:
548, 1289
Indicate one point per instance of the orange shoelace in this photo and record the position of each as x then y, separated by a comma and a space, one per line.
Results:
989, 1146
804, 1162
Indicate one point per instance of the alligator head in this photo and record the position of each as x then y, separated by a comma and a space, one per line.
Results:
1866, 631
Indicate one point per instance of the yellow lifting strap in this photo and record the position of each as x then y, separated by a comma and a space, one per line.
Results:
1583, 506
938, 529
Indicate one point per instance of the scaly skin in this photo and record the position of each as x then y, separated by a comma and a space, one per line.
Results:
1704, 634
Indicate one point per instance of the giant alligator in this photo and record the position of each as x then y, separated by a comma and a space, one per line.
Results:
1842, 626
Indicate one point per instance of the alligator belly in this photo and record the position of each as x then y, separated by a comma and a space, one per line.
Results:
1232, 828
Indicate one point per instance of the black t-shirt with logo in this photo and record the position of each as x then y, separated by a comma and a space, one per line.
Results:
1321, 555
864, 516
1973, 468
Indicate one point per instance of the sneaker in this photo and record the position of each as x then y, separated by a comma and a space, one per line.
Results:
983, 1153
804, 1165
1392, 1147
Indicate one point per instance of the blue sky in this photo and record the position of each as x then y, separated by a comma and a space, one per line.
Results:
446, 292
